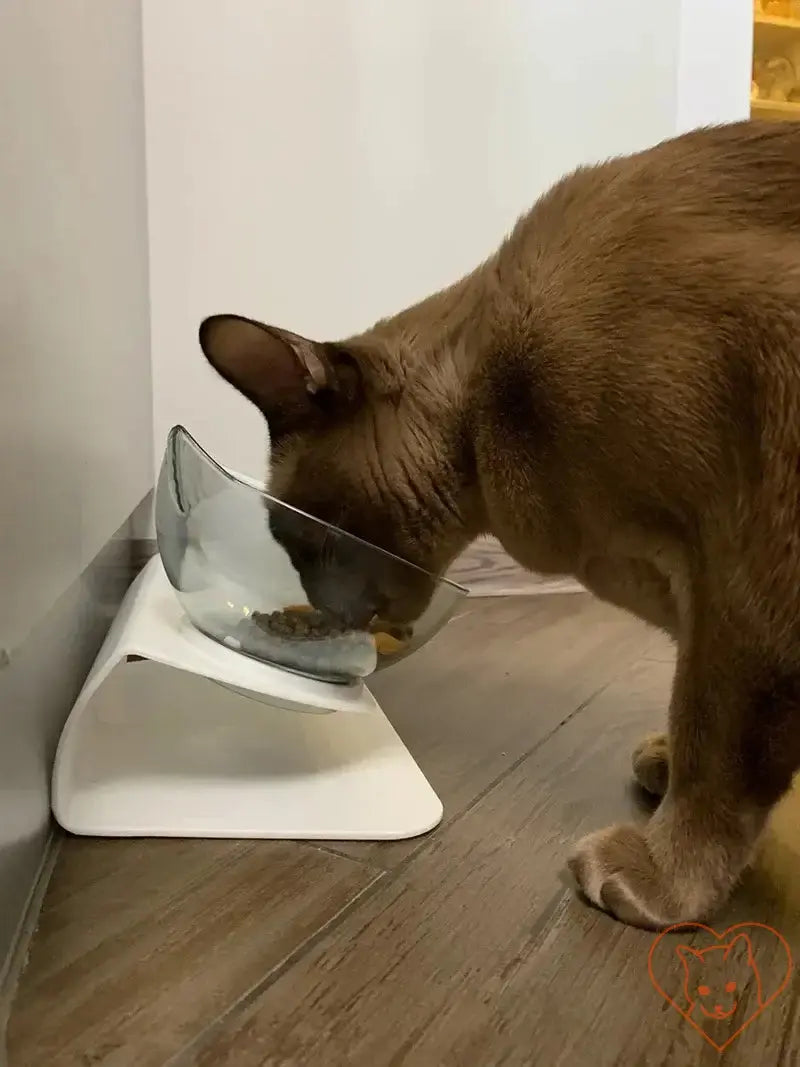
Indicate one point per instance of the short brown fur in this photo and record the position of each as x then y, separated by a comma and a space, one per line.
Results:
614, 394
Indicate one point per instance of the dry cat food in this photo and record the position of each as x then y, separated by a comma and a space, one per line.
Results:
304, 623
307, 625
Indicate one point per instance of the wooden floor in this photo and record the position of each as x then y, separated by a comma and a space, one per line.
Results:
487, 571
466, 948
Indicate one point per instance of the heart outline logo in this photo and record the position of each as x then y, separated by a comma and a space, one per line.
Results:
720, 941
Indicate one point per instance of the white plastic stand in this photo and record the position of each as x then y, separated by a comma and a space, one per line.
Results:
174, 735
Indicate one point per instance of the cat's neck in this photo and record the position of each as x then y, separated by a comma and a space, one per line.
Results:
446, 332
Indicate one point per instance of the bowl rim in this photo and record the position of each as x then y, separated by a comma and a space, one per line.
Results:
179, 429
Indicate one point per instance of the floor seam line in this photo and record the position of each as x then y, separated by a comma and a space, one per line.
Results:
276, 972
329, 850
489, 787
431, 840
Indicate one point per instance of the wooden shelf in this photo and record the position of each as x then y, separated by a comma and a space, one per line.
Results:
777, 110
779, 22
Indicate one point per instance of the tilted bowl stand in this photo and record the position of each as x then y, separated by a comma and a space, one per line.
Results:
174, 735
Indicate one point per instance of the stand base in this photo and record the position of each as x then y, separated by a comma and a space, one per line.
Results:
189, 739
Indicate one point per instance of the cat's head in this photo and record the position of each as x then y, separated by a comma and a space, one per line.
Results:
355, 444
715, 977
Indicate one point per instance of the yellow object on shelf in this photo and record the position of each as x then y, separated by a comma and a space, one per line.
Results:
780, 22
777, 22
778, 110
776, 10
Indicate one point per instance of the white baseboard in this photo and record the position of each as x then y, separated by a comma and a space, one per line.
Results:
18, 955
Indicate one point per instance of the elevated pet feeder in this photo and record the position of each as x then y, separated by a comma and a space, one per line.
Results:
195, 721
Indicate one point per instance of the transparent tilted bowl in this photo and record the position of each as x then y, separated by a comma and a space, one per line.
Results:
230, 574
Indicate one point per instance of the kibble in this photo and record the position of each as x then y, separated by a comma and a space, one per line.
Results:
301, 622
303, 625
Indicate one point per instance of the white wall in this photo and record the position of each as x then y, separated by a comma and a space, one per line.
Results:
715, 53
318, 163
75, 390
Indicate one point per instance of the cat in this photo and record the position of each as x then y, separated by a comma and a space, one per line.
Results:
615, 395
715, 978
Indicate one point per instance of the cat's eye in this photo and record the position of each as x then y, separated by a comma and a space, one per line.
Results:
730, 987
703, 990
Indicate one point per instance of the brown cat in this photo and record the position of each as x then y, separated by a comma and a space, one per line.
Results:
614, 394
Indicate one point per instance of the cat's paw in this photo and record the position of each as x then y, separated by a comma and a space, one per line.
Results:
651, 764
615, 871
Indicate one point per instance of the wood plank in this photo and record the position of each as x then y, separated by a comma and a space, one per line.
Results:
141, 943
477, 953
493, 684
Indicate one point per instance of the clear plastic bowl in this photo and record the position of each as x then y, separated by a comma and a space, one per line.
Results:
230, 574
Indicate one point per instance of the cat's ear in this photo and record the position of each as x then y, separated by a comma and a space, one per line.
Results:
688, 954
739, 949
292, 380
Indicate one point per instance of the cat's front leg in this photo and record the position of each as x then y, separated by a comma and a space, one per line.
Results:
634, 584
734, 744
